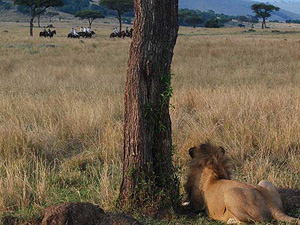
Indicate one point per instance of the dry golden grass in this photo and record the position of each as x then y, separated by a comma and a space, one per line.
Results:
61, 110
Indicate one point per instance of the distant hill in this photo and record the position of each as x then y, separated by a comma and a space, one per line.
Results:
233, 7
291, 6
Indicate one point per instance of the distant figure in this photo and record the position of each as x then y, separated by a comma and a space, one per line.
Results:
127, 31
45, 31
75, 32
49, 32
84, 29
72, 30
116, 31
81, 29
88, 30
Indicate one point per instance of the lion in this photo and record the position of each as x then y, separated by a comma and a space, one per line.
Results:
209, 187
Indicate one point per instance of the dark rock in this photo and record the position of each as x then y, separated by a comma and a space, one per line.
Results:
82, 214
50, 46
5, 31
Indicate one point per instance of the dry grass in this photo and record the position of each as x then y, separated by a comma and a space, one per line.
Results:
61, 110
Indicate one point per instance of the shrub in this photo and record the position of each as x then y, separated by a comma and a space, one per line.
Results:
214, 23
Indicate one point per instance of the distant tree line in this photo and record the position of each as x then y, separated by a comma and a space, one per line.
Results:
75, 6
293, 21
188, 17
5, 5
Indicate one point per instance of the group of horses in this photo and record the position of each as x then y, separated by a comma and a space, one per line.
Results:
122, 34
82, 34
49, 34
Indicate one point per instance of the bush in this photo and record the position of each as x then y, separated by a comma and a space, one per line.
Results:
214, 23
7, 6
188, 17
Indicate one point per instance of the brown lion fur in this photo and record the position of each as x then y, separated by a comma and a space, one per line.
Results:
209, 187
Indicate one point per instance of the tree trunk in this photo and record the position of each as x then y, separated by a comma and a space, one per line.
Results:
39, 20
90, 22
31, 26
149, 182
120, 22
263, 25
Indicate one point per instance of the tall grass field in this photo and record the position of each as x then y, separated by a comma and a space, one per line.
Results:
61, 110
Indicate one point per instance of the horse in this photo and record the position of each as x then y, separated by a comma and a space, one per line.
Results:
122, 34
70, 35
51, 33
89, 35
113, 35
130, 34
86, 34
47, 34
43, 34
127, 34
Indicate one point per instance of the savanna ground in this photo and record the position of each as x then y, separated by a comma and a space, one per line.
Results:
61, 111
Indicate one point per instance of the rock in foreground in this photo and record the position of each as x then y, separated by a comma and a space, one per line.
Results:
82, 214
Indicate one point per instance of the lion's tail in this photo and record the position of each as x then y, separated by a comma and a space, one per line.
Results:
281, 216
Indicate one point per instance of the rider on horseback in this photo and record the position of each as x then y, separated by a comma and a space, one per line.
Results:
88, 30
75, 32
116, 31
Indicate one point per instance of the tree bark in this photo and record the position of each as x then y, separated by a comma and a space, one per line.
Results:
149, 181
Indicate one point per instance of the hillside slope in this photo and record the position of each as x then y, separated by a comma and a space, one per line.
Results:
232, 7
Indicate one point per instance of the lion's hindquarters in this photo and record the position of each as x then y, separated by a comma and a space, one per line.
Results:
275, 202
272, 192
247, 204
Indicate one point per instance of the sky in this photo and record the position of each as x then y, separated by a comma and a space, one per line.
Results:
277, 0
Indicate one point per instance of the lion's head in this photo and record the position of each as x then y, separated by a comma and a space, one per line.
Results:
203, 156
213, 157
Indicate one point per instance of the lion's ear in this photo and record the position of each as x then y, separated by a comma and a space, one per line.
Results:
191, 152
